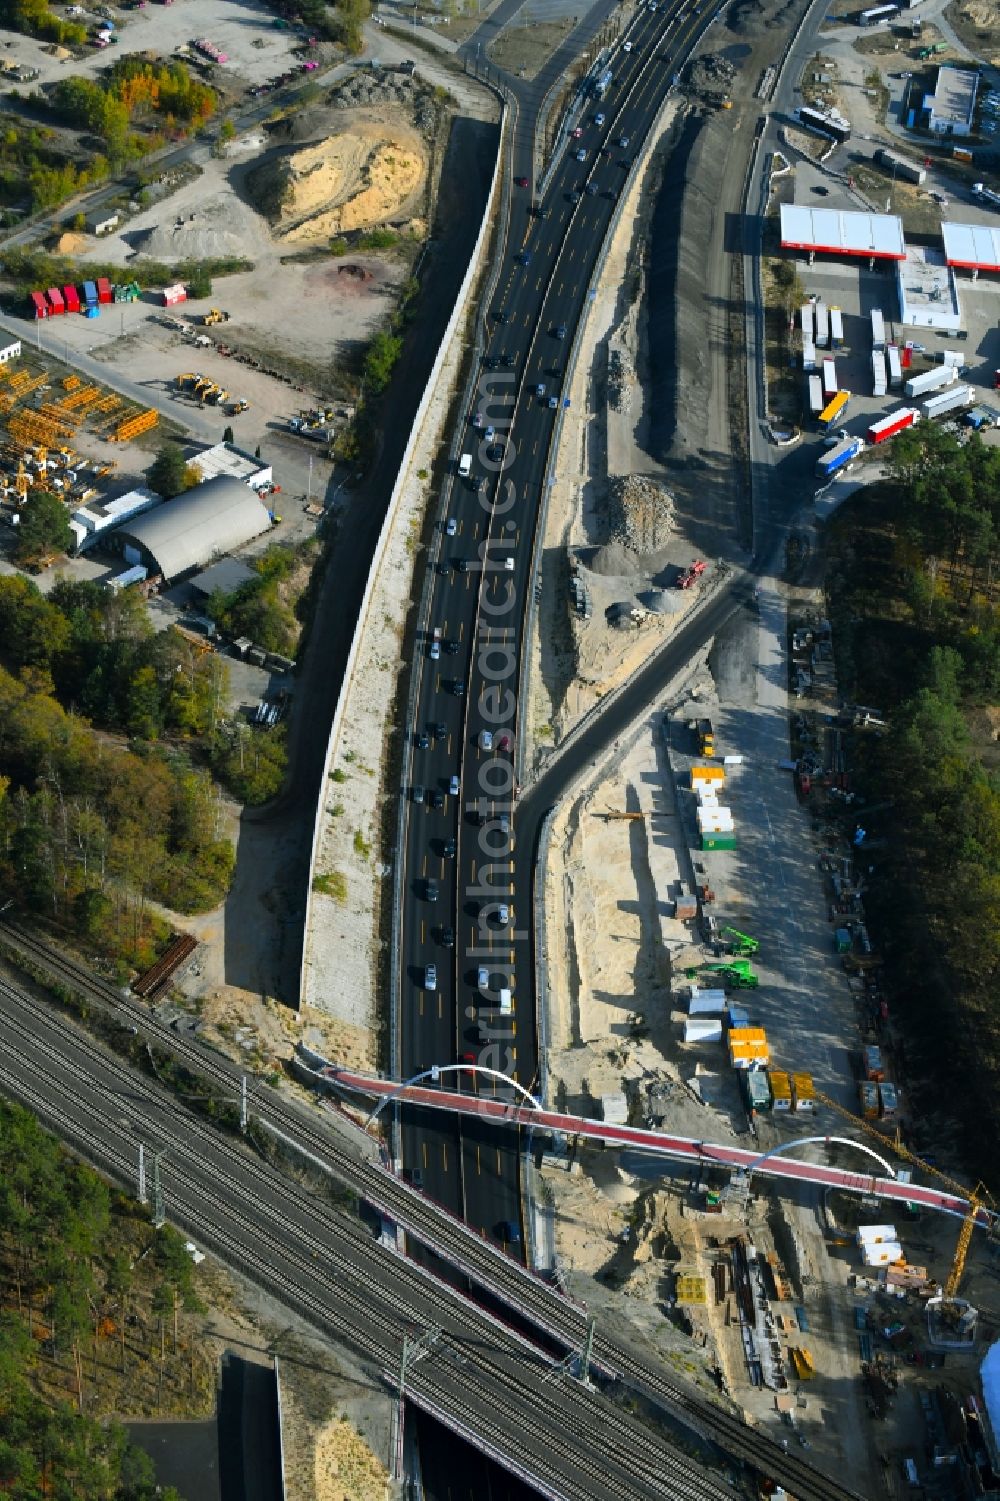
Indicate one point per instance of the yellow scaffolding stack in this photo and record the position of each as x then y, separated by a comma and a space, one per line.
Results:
71, 383
81, 399
133, 426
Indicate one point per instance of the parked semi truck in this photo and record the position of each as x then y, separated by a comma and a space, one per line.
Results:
927, 381
834, 459
888, 427
822, 326
948, 401
836, 328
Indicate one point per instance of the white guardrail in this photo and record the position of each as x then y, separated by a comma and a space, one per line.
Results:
457, 314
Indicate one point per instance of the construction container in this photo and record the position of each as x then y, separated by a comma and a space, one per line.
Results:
90, 293
707, 1003
895, 368
738, 1016
173, 295
881, 1253
707, 776
717, 840
899, 166
874, 1067
887, 427
104, 292
685, 904
55, 299
868, 1100
934, 379
842, 941
803, 1094
830, 377
836, 328
39, 305
756, 1092
72, 299
888, 1100
876, 1235
702, 1029
748, 1047
781, 1089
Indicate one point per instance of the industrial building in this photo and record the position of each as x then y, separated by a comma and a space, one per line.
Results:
928, 292
102, 222
828, 231
951, 109
186, 533
89, 522
223, 577
235, 463
972, 247
10, 352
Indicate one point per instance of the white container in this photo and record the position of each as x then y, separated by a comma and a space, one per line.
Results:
884, 1253
732, 760
875, 1233
707, 1003
702, 1029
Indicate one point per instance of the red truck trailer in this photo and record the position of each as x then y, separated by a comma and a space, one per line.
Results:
888, 427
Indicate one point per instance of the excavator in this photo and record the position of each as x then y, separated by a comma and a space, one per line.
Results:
736, 972
741, 944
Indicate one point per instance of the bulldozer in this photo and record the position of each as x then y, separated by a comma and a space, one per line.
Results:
213, 316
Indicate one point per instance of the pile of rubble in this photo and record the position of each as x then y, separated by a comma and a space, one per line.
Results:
711, 77
379, 86
640, 513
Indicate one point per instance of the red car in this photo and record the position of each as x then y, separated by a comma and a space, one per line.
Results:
520, 182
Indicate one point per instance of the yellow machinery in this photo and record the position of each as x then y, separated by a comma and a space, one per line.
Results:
188, 378
213, 316
236, 406
978, 1198
209, 392
22, 482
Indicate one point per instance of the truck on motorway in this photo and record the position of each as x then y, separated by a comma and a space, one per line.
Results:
878, 372
927, 381
836, 328
830, 463
816, 401
830, 385
948, 401
822, 326
878, 329
888, 427
834, 410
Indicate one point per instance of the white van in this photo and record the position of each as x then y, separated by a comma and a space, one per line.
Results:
506, 1004
465, 465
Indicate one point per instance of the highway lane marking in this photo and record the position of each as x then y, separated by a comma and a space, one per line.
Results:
423, 930
421, 1007
423, 1150
444, 1155
479, 1165
440, 1006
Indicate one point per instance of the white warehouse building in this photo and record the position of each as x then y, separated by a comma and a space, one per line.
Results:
928, 291
951, 109
90, 521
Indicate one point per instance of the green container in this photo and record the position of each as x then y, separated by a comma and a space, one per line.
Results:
718, 841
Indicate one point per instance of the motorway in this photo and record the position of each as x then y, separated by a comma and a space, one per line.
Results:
551, 1320
475, 848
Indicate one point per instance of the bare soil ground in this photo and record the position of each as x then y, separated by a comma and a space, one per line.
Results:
975, 23
524, 50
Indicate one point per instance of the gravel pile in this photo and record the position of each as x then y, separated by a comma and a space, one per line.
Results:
615, 561
640, 514
381, 88
711, 76
619, 383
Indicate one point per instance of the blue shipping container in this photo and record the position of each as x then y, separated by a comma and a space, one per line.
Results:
90, 291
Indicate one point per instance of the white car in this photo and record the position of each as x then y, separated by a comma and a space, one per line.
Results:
435, 651
431, 977
486, 740
503, 914
581, 155
628, 46
451, 527
483, 977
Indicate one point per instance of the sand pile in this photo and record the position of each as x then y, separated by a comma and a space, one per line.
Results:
356, 179
70, 244
221, 227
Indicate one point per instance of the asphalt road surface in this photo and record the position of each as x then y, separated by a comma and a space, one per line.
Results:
468, 846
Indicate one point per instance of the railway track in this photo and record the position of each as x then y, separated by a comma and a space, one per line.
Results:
533, 1299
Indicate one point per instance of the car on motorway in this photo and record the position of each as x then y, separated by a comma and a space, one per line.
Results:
520, 182
462, 564
508, 361
525, 257
451, 527
628, 47
431, 892
509, 1232
540, 389
415, 1175
503, 741
457, 687
577, 132
477, 419
452, 647
508, 564
490, 434
486, 740
421, 739
437, 799
503, 914
417, 792
541, 212
448, 848
581, 155
483, 977
561, 331
592, 190
553, 403
438, 730
434, 650
447, 938
623, 142
453, 786
599, 119
430, 977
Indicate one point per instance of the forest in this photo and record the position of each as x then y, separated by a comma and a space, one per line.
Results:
913, 597
91, 1322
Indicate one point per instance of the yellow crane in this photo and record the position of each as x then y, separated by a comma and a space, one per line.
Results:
978, 1197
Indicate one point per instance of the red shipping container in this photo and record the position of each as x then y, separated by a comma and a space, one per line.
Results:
72, 299
56, 304
40, 305
906, 357
104, 292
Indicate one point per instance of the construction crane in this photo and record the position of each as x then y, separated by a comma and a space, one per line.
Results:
978, 1198
741, 943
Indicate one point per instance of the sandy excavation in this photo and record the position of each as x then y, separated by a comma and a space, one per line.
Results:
357, 179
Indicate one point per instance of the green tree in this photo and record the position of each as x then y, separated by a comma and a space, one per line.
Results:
170, 474
383, 352
44, 527
228, 436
